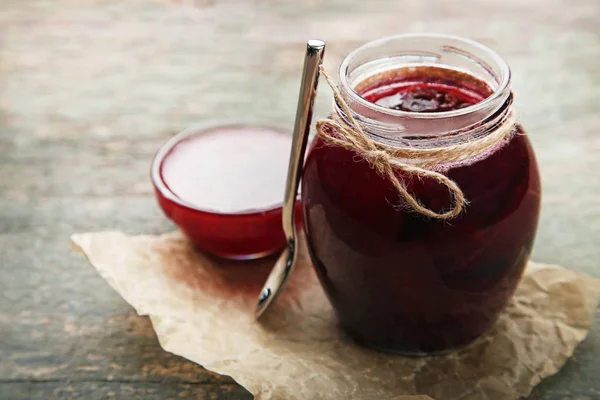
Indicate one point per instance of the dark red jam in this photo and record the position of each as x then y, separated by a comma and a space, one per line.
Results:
223, 187
424, 89
403, 282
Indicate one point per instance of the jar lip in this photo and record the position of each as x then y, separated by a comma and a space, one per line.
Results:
500, 91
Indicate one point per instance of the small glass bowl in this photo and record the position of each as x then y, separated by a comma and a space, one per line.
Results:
238, 235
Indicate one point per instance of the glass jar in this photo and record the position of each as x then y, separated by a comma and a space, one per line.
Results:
400, 281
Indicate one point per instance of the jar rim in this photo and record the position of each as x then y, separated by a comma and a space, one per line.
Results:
503, 84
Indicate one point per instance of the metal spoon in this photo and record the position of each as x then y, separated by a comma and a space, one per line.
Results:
308, 90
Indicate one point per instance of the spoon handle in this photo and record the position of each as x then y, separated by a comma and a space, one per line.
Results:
315, 50
308, 91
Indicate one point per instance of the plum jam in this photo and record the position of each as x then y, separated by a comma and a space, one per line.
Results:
223, 187
400, 281
424, 89
230, 169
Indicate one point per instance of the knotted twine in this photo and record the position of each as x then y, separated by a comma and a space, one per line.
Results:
386, 159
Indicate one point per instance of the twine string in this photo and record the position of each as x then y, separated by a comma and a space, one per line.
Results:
386, 160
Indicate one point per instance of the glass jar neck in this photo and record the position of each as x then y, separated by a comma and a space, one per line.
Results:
402, 128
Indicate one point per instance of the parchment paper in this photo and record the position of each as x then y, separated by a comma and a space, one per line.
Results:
202, 309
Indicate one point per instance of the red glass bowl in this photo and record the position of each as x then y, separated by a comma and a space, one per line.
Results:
239, 235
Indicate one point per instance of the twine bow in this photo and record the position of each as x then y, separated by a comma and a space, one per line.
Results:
387, 159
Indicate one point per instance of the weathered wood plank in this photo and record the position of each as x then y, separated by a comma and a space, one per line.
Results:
101, 390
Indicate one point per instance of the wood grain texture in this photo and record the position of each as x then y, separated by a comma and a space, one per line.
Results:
89, 89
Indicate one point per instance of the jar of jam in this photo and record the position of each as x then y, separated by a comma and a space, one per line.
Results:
402, 281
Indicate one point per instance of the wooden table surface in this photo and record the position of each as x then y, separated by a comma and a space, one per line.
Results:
89, 89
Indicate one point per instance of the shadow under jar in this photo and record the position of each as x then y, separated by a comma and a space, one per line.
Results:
402, 282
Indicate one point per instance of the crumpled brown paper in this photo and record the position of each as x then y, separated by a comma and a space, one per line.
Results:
202, 309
